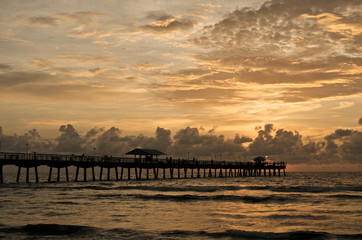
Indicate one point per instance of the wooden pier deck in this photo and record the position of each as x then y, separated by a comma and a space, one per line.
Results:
170, 168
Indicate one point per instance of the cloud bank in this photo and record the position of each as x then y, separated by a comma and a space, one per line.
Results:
341, 146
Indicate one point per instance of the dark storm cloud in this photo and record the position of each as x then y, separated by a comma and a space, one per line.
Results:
344, 145
189, 140
17, 143
112, 142
339, 133
69, 141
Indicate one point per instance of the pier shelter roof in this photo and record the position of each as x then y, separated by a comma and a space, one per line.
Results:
145, 152
259, 159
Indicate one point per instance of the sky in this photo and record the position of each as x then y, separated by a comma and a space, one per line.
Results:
226, 79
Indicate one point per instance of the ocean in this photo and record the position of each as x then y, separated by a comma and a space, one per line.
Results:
296, 206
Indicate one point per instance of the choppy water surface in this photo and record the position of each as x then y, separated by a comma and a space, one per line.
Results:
297, 206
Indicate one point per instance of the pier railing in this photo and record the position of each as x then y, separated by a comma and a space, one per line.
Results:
12, 156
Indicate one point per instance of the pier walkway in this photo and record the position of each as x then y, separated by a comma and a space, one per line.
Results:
134, 167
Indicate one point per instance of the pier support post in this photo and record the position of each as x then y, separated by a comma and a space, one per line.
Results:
67, 174
76, 174
178, 172
93, 174
108, 174
136, 173
36, 174
210, 173
100, 174
85, 174
121, 173
155, 173
284, 171
147, 174
164, 173
50, 174
116, 171
58, 176
185, 172
1, 174
198, 172
171, 172
140, 173
27, 174
129, 173
18, 176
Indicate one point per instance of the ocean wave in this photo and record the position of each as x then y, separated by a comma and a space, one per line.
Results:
299, 216
223, 198
346, 196
261, 235
182, 189
65, 203
49, 229
314, 189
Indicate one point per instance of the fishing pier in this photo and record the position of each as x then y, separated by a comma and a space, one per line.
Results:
145, 161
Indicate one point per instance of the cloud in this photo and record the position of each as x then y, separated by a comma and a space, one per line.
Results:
44, 21
342, 105
89, 33
88, 58
10, 36
82, 16
69, 141
339, 133
5, 67
147, 66
98, 70
112, 142
310, 43
165, 23
189, 142
342, 146
57, 88
17, 143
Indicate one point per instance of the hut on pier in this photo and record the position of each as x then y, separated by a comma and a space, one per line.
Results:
259, 160
146, 154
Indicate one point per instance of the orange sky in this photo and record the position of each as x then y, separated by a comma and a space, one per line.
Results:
230, 66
